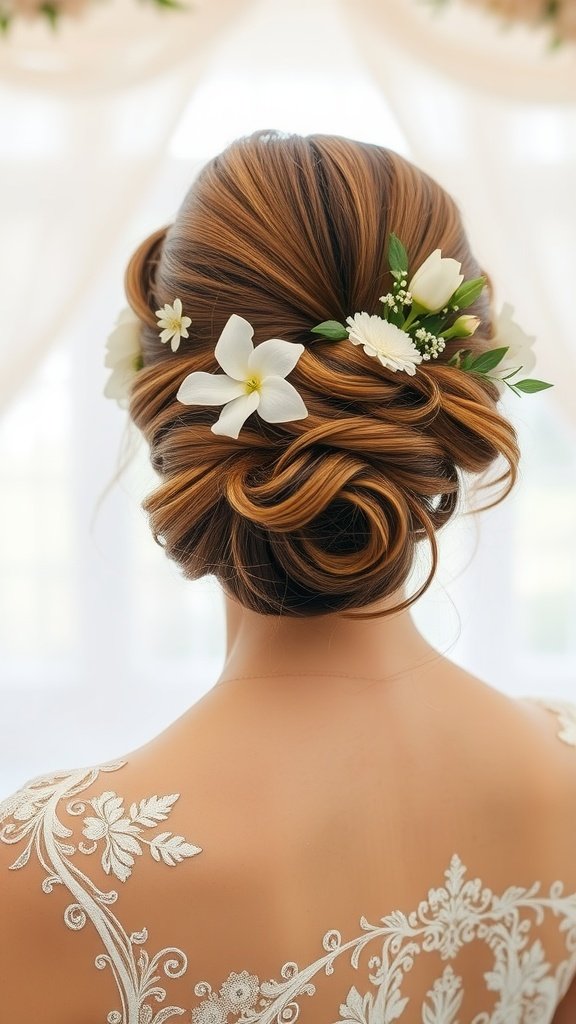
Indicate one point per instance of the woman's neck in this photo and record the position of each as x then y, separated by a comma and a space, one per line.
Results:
285, 647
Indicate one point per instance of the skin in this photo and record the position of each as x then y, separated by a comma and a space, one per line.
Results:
282, 648
331, 771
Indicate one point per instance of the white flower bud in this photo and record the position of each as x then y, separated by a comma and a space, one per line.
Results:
466, 326
435, 282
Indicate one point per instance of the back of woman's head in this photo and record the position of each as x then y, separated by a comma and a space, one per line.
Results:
323, 513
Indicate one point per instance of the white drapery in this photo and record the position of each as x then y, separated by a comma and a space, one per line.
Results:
70, 184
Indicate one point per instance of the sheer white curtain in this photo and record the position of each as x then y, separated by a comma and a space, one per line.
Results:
99, 636
69, 101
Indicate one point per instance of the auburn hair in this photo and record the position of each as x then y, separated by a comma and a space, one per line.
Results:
324, 513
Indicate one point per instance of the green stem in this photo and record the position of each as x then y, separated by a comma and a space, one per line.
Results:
501, 380
412, 316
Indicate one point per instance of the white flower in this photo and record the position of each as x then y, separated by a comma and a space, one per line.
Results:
520, 352
466, 326
393, 347
253, 379
123, 356
435, 282
170, 317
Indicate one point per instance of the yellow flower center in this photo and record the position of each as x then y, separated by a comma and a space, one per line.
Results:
252, 384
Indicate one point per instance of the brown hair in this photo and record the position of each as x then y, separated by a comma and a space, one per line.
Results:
321, 514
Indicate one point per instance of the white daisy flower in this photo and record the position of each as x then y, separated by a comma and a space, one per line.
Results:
170, 317
520, 352
123, 356
253, 379
392, 346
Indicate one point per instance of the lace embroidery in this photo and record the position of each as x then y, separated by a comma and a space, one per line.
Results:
452, 915
34, 809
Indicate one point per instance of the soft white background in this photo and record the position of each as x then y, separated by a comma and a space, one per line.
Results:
102, 644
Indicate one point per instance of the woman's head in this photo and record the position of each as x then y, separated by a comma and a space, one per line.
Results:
324, 513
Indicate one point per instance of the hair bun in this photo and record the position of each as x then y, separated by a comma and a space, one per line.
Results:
325, 513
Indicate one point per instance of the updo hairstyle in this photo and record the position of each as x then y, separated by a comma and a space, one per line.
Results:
321, 514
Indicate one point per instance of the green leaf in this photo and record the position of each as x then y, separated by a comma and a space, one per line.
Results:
395, 318
488, 360
530, 386
461, 358
468, 358
432, 323
467, 362
397, 255
5, 20
331, 329
467, 293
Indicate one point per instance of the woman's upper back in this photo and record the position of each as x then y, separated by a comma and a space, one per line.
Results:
373, 852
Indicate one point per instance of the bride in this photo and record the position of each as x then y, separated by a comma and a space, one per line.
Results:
347, 827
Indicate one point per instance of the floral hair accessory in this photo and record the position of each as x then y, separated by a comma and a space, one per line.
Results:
170, 317
414, 325
254, 379
124, 349
123, 356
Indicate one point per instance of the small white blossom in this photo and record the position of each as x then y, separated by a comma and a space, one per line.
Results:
392, 346
430, 345
175, 325
253, 380
435, 282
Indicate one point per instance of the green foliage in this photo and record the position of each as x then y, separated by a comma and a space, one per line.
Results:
468, 292
331, 329
397, 256
488, 360
530, 386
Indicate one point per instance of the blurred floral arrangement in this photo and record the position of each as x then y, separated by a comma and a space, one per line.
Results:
54, 10
558, 15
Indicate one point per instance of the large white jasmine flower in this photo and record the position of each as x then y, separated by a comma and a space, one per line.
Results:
393, 347
520, 352
435, 282
123, 356
253, 379
170, 317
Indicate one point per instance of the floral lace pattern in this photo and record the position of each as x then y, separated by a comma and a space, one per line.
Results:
457, 912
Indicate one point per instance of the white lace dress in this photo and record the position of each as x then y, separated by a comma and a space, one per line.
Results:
456, 913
